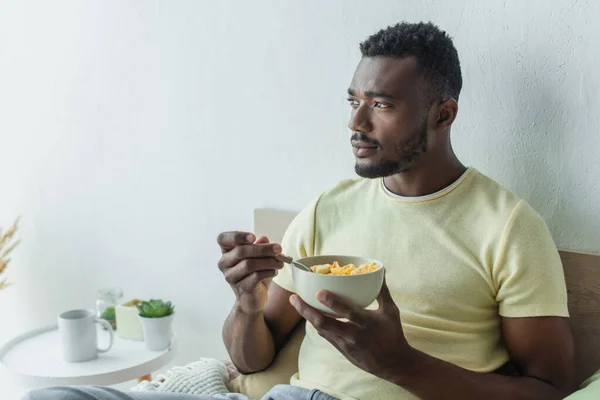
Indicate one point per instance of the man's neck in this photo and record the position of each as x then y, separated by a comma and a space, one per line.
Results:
426, 179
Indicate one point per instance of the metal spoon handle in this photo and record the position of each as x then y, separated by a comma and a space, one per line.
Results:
290, 260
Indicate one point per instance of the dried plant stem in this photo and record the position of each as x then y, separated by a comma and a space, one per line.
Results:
7, 245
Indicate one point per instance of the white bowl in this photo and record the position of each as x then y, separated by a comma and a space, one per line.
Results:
360, 290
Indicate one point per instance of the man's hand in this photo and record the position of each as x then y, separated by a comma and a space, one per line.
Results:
249, 265
373, 340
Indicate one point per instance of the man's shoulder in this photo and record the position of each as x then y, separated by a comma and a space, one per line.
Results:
502, 208
492, 195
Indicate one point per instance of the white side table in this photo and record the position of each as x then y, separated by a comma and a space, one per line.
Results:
35, 361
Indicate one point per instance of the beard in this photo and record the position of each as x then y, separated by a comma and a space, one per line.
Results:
408, 152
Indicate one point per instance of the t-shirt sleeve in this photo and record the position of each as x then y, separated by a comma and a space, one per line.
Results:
528, 274
298, 242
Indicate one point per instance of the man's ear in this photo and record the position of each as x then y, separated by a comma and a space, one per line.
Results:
446, 113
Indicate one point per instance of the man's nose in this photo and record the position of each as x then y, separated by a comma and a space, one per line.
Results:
360, 120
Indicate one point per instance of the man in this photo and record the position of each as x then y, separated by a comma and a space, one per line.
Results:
472, 271
474, 285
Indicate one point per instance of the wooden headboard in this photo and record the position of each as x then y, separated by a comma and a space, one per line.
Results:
582, 272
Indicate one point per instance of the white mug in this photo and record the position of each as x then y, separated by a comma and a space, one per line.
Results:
78, 335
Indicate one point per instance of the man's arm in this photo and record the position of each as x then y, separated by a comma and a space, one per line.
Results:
373, 340
253, 339
262, 317
541, 348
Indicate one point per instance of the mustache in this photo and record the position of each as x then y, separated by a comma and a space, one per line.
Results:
361, 137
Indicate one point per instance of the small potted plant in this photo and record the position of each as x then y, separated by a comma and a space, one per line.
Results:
157, 319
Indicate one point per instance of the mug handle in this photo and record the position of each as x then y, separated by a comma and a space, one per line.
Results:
107, 325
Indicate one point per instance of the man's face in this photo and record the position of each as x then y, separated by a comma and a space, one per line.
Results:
389, 116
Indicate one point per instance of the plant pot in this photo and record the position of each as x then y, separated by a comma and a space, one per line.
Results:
158, 332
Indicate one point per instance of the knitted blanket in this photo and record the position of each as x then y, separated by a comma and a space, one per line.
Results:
204, 377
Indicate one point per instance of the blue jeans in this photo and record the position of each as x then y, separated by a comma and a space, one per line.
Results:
279, 392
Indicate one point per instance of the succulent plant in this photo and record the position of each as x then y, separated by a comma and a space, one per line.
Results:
155, 309
109, 314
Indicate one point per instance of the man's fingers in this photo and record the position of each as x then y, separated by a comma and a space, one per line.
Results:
247, 267
229, 240
320, 321
342, 308
316, 318
254, 251
240, 253
250, 281
385, 300
261, 240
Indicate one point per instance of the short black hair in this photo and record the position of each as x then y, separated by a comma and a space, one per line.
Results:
437, 58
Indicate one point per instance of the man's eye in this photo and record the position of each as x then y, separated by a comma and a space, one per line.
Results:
353, 102
381, 105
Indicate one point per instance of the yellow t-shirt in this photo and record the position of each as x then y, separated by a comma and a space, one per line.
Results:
456, 261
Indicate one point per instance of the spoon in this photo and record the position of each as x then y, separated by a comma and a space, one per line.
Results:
290, 260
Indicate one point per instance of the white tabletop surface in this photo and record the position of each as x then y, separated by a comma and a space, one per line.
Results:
35, 360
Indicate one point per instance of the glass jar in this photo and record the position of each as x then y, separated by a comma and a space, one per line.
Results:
107, 300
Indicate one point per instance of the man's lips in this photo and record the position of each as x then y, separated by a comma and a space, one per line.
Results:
364, 149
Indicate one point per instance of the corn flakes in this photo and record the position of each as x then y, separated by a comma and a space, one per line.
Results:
348, 269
